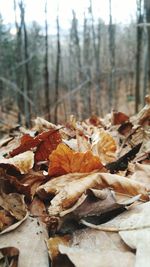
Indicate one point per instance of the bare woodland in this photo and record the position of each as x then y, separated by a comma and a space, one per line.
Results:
90, 69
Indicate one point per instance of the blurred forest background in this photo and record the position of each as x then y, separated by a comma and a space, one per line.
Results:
91, 67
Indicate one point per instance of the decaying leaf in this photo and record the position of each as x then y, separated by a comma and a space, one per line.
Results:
63, 160
22, 162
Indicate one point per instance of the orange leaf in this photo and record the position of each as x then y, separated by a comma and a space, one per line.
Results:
45, 142
64, 160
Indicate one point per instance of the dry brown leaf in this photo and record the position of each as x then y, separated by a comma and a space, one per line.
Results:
70, 193
29, 240
63, 160
104, 146
22, 162
6, 220
136, 218
33, 179
14, 203
54, 186
15, 207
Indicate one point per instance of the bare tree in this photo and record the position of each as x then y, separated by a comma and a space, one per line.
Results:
19, 58
57, 70
76, 42
46, 71
147, 42
138, 54
112, 57
28, 85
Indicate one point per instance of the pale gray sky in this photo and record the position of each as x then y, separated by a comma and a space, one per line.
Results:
123, 10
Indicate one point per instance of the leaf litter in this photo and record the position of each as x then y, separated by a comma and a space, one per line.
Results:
78, 192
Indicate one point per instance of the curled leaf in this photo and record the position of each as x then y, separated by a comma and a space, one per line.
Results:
70, 193
22, 162
44, 143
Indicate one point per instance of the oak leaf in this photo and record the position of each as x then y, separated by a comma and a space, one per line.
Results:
64, 160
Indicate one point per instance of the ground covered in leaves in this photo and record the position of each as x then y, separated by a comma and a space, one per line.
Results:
77, 194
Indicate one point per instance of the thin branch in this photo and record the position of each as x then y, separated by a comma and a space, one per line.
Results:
16, 89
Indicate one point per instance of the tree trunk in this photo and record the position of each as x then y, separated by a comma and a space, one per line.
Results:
28, 84
57, 71
147, 16
46, 71
138, 56
112, 86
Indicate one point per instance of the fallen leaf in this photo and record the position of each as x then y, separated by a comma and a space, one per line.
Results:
38, 209
119, 118
33, 179
28, 238
104, 146
141, 173
136, 218
90, 248
54, 186
15, 207
14, 203
6, 220
63, 160
143, 116
138, 240
22, 162
122, 163
44, 143
53, 250
100, 202
71, 192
